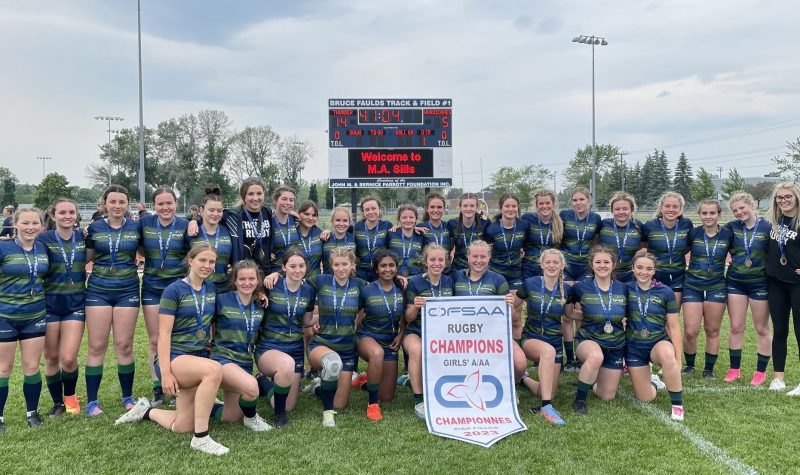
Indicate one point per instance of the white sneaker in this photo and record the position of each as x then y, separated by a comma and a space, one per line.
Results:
134, 414
677, 413
312, 386
208, 445
419, 410
656, 381
794, 392
256, 423
328, 419
777, 385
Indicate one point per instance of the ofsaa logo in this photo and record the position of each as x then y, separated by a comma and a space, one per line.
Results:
474, 390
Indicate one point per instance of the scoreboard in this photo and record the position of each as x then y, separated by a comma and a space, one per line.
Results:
390, 143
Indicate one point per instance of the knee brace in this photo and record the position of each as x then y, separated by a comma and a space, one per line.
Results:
331, 366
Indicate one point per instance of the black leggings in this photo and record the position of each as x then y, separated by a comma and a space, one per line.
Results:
783, 297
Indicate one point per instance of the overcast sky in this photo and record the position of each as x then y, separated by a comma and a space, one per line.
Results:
714, 79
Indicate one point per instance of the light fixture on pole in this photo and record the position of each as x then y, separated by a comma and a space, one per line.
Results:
109, 119
592, 40
43, 159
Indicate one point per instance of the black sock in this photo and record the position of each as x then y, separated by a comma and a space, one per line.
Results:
711, 360
583, 391
546, 402
736, 358
676, 398
761, 363
248, 408
146, 416
200, 435
569, 350
690, 357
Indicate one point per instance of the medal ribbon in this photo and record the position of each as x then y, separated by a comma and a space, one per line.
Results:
621, 247
505, 242
391, 311
606, 311
67, 262
542, 310
670, 249
205, 236
643, 310
250, 324
32, 264
291, 313
337, 310
710, 254
198, 305
161, 247
749, 245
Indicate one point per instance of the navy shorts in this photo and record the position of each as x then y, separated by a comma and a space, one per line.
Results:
700, 296
17, 330
673, 280
577, 272
638, 354
175, 354
612, 358
754, 290
530, 269
555, 341
296, 352
247, 367
514, 284
65, 307
151, 296
349, 357
112, 298
388, 353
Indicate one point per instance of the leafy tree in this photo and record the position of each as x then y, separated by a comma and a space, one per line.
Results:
8, 186
312, 193
255, 153
579, 170
789, 164
734, 182
655, 178
703, 187
520, 181
760, 191
613, 181
682, 178
328, 197
53, 186
454, 193
86, 195
633, 182
292, 160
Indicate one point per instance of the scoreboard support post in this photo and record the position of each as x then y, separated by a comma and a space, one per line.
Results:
353, 204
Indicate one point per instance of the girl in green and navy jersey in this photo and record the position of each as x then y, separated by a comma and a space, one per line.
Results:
370, 234
406, 243
332, 350
310, 242
341, 236
667, 237
547, 298
601, 303
507, 235
621, 233
431, 283
380, 330
236, 323
464, 229
23, 264
279, 352
653, 335
545, 231
437, 230
185, 317
65, 292
704, 290
580, 226
218, 236
164, 248
112, 296
747, 285
284, 224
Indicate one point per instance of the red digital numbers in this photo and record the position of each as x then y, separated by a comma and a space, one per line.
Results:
341, 122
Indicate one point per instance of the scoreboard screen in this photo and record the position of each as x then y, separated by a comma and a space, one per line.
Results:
368, 138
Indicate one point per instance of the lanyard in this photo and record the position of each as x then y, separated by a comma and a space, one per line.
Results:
643, 310
337, 310
580, 236
287, 238
306, 242
259, 234
250, 324
471, 230
67, 262
438, 237
392, 311
371, 249
545, 240
436, 287
291, 313
606, 310
749, 245
542, 310
621, 247
161, 247
670, 249
710, 253
469, 284
505, 243
406, 252
113, 248
205, 236
199, 305
32, 264
340, 242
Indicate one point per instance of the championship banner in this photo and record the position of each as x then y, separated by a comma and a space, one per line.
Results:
467, 369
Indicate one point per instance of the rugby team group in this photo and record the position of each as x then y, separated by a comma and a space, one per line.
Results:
240, 298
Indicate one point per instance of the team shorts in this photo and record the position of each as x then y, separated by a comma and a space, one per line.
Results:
555, 341
754, 290
638, 354
672, 279
349, 357
247, 367
296, 352
65, 307
151, 296
25, 329
577, 272
612, 358
174, 354
699, 296
112, 298
388, 353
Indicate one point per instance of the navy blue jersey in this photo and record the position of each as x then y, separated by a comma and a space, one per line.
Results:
164, 251
191, 329
707, 262
600, 308
285, 236
368, 241
438, 235
67, 272
114, 268
545, 306
283, 323
462, 237
338, 306
311, 245
236, 328
748, 246
22, 280
624, 241
221, 241
540, 237
383, 311
647, 322
669, 245
490, 283
507, 244
332, 243
578, 235
421, 286
408, 250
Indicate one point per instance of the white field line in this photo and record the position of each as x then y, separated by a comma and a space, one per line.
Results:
707, 448
721, 389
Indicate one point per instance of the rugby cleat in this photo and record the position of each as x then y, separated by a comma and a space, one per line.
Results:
328, 419
93, 409
72, 404
208, 445
733, 375
374, 412
758, 378
134, 414
552, 415
677, 413
256, 423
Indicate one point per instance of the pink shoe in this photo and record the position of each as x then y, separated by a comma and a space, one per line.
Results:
733, 375
758, 378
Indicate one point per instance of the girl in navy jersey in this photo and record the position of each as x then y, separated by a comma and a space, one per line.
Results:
653, 335
545, 231
163, 241
284, 224
621, 233
112, 296
431, 283
546, 297
341, 236
747, 285
237, 320
370, 234
405, 243
380, 330
280, 350
468, 226
65, 287
667, 237
580, 227
437, 230
704, 290
215, 234
23, 264
783, 275
601, 304
184, 368
309, 237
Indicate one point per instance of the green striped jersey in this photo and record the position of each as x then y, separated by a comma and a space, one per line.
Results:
598, 308
757, 240
236, 328
383, 310
60, 253
286, 236
22, 291
707, 260
408, 250
115, 249
311, 245
668, 244
463, 236
338, 306
578, 234
545, 307
662, 303
221, 241
420, 286
507, 245
180, 301
332, 243
164, 251
283, 322
491, 283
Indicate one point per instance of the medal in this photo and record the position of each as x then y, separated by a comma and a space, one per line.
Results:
113, 247
33, 293
68, 261
71, 283
199, 306
643, 309
162, 264
783, 260
113, 270
201, 333
748, 262
607, 311
251, 348
608, 328
541, 331
747, 245
645, 333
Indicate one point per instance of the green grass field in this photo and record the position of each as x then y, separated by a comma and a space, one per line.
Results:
728, 428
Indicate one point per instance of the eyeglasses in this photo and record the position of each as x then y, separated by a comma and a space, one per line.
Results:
784, 198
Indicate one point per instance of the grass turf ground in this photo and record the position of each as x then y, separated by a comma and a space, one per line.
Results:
728, 428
